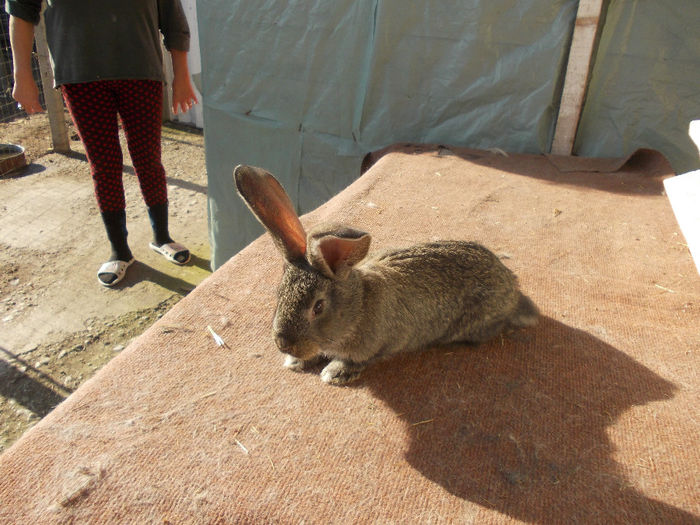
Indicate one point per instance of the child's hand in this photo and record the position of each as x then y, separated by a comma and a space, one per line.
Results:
26, 93
183, 95
183, 92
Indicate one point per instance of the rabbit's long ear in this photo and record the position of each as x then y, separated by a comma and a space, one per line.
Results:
334, 252
271, 205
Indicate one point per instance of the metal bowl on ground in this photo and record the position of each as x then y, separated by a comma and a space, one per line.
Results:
11, 158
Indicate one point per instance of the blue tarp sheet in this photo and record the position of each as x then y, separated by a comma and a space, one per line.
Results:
645, 86
306, 88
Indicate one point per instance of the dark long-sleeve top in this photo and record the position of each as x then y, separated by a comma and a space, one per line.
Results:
107, 39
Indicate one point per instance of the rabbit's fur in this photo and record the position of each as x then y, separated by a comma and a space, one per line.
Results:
335, 302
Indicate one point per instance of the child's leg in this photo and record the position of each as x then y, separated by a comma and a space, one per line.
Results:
93, 108
94, 111
140, 107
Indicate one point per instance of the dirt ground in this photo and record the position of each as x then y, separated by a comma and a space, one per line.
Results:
58, 326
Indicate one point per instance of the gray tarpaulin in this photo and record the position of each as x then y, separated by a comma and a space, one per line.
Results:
645, 86
307, 88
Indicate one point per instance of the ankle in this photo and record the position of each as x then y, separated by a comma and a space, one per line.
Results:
121, 254
158, 215
115, 226
161, 240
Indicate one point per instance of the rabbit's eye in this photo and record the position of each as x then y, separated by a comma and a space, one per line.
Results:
318, 307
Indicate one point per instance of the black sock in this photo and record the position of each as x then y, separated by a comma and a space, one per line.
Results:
115, 224
159, 222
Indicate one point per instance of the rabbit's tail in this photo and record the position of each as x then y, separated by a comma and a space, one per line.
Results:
525, 313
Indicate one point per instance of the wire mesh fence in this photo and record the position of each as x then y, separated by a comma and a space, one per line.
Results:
8, 106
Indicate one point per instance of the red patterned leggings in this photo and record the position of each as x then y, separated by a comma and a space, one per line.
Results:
94, 107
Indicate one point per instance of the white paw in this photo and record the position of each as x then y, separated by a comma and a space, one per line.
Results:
339, 372
293, 363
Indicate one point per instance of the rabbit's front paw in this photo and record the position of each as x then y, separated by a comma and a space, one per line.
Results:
293, 363
339, 372
299, 365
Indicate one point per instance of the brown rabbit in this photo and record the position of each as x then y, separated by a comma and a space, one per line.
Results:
334, 302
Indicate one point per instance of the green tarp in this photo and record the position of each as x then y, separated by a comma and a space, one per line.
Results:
645, 86
306, 88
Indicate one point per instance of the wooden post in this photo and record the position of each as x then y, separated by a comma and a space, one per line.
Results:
53, 99
576, 79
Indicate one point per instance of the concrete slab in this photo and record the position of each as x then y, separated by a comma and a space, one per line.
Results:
52, 242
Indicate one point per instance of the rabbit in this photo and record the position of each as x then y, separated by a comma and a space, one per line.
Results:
336, 303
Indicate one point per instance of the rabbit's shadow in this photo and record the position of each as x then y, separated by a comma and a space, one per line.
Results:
519, 425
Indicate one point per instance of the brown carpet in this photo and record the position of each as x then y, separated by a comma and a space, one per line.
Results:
591, 417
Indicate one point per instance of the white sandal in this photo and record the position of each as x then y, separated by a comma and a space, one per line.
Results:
171, 250
116, 268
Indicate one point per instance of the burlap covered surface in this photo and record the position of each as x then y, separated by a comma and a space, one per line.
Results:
591, 417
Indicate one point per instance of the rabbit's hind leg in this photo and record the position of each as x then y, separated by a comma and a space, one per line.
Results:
484, 333
525, 313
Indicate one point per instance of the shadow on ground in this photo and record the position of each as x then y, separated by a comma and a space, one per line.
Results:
521, 427
141, 272
27, 385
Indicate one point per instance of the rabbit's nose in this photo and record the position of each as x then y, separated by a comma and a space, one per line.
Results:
283, 342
